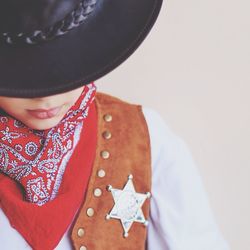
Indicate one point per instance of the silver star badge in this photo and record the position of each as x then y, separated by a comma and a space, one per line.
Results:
128, 205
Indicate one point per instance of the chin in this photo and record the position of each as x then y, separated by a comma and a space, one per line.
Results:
43, 125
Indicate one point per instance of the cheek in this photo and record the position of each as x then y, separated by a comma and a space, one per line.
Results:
12, 108
18, 115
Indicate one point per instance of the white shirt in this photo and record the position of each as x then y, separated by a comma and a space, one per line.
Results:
180, 219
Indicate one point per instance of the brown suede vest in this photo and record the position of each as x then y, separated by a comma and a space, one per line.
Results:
123, 148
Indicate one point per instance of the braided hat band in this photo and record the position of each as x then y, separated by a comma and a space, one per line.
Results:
71, 21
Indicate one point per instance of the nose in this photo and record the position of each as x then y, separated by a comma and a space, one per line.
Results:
42, 98
44, 102
39, 99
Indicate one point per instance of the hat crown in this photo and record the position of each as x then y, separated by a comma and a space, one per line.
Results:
28, 15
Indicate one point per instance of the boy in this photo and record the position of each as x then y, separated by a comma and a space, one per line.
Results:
78, 168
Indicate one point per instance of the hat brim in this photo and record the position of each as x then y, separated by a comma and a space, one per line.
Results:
108, 37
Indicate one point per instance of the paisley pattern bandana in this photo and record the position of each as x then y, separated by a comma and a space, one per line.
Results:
37, 159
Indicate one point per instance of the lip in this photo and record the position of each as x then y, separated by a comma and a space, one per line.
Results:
44, 113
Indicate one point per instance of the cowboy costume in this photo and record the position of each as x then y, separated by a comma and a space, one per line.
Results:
110, 174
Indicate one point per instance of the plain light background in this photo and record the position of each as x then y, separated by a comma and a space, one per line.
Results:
193, 69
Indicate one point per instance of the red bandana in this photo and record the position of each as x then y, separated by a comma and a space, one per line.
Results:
37, 159
39, 167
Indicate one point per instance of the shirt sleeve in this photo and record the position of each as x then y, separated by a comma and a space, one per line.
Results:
180, 216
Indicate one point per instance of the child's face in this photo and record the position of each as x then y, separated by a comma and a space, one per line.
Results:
42, 112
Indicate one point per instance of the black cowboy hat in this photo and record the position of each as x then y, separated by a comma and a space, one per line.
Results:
53, 46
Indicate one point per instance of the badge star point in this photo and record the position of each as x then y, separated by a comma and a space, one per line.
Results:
128, 205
